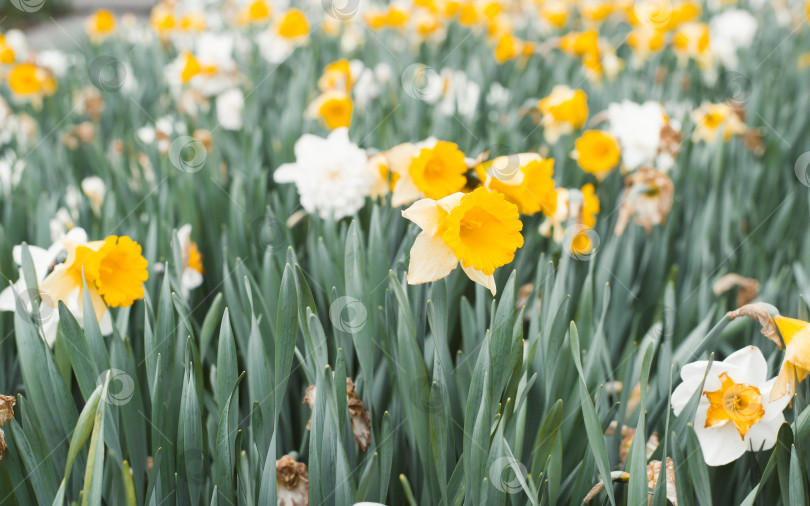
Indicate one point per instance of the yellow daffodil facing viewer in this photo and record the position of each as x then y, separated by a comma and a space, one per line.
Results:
564, 111
736, 412
525, 179
30, 81
480, 229
114, 269
597, 152
796, 366
100, 24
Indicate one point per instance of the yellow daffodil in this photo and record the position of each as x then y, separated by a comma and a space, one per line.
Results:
691, 40
114, 270
480, 229
337, 76
100, 25
334, 108
193, 22
555, 13
796, 365
597, 152
192, 260
28, 80
563, 111
713, 121
525, 180
258, 11
162, 19
580, 43
595, 11
192, 67
644, 41
7, 54
439, 170
293, 25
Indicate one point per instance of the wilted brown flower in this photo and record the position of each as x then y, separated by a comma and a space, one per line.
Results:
760, 312
6, 413
653, 471
670, 141
628, 433
361, 420
647, 199
748, 288
205, 138
292, 482
753, 141
89, 100
7, 403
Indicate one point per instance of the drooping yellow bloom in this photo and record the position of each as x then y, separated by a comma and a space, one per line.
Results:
334, 107
439, 171
114, 270
100, 24
525, 180
293, 25
796, 366
737, 403
29, 80
597, 152
564, 110
480, 229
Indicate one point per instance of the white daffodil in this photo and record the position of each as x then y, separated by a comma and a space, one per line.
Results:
230, 106
192, 276
638, 129
94, 189
44, 261
735, 413
330, 174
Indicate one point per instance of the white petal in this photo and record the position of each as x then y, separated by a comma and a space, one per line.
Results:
773, 409
480, 278
425, 213
720, 445
286, 173
762, 435
749, 366
682, 394
450, 201
431, 259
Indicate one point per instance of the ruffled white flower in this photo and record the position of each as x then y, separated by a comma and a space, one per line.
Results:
44, 261
735, 413
230, 106
330, 174
638, 128
730, 31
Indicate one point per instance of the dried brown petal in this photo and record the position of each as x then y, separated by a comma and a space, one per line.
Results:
647, 199
292, 482
361, 420
7, 403
760, 312
670, 141
205, 138
748, 287
753, 141
3, 446
653, 471
523, 298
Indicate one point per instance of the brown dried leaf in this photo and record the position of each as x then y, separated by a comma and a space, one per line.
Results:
760, 312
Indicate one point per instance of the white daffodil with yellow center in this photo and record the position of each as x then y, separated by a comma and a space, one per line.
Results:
736, 412
481, 230
113, 268
192, 276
